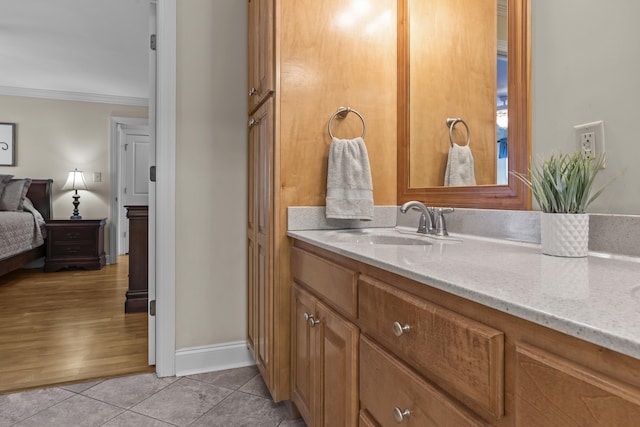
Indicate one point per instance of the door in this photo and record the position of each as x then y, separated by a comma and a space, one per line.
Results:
134, 181
153, 64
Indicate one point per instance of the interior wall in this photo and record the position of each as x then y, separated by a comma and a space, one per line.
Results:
586, 68
211, 184
54, 137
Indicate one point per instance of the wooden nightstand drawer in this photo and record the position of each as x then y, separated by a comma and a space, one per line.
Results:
75, 244
75, 250
463, 356
75, 234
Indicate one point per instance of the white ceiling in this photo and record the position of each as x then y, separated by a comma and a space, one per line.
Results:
84, 46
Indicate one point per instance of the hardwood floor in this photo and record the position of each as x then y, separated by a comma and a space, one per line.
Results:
68, 326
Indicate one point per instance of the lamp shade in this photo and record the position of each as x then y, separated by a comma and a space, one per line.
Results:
75, 181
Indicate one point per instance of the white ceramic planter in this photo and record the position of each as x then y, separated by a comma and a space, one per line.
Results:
565, 235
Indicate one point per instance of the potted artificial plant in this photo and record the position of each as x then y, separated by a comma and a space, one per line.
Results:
562, 187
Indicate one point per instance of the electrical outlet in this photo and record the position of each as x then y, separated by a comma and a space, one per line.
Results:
588, 144
590, 139
97, 177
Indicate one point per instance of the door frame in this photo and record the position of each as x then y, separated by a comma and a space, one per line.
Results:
166, 188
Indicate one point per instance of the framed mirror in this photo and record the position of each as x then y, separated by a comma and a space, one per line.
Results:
448, 62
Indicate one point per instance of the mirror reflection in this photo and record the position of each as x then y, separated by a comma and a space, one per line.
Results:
457, 68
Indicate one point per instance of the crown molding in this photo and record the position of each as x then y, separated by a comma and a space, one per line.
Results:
73, 96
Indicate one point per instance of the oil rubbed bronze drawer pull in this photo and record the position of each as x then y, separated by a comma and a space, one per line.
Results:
73, 236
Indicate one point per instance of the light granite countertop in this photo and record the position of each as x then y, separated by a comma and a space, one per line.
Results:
596, 298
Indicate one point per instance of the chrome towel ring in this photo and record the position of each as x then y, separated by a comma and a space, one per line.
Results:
341, 113
451, 123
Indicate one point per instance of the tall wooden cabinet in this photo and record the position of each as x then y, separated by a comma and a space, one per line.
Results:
305, 61
261, 190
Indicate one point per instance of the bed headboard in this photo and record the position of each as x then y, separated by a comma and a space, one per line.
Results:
40, 195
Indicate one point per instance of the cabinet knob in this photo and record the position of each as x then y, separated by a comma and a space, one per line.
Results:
253, 91
253, 122
398, 329
399, 415
311, 320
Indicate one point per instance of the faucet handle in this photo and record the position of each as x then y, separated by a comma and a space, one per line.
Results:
440, 223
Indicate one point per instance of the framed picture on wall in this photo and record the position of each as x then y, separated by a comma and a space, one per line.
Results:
7, 144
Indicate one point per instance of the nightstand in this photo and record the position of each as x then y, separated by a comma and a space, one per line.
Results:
75, 244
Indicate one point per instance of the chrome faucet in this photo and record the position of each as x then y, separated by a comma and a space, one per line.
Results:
426, 216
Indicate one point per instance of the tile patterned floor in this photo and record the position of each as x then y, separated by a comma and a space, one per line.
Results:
236, 397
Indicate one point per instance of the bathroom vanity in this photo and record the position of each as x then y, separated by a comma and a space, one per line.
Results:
460, 332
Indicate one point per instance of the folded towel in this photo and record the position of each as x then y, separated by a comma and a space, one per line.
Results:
460, 169
349, 187
503, 148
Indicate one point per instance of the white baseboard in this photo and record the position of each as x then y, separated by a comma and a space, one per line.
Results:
198, 360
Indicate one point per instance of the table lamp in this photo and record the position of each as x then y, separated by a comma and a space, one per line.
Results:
75, 181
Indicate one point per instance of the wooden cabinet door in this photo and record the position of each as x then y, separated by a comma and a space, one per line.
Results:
261, 238
261, 64
302, 308
252, 219
555, 392
336, 369
324, 363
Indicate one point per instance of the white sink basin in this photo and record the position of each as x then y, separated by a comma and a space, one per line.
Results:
378, 237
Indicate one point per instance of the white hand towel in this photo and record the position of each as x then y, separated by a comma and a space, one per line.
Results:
349, 185
460, 170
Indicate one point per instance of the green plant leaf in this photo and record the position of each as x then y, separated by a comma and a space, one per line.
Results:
563, 182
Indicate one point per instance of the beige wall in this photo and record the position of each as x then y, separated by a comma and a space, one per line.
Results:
586, 68
54, 137
211, 187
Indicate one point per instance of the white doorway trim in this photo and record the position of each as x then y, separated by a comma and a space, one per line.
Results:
114, 142
166, 185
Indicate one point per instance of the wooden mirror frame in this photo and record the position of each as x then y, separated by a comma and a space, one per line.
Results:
515, 195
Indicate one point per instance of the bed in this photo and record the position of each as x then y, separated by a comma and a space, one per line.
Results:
16, 255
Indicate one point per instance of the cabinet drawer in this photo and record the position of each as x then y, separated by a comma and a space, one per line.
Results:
387, 386
552, 391
336, 284
75, 234
73, 250
464, 357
